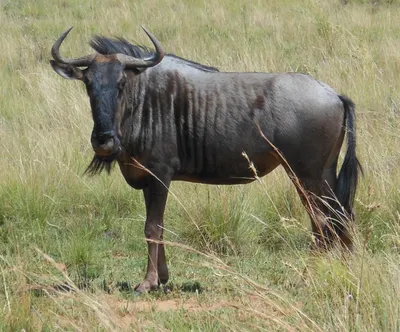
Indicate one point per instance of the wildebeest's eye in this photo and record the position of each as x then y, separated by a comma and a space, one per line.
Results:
88, 82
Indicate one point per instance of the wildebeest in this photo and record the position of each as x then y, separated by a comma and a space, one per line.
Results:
164, 118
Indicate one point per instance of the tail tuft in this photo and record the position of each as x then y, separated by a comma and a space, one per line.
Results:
348, 176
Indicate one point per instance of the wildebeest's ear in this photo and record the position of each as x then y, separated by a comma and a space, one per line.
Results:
67, 71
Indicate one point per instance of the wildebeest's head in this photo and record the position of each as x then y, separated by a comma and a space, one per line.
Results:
104, 76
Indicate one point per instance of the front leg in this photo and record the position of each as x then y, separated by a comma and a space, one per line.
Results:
155, 198
162, 267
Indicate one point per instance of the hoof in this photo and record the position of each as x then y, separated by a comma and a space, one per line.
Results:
145, 287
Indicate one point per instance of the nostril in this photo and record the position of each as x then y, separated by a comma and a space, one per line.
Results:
103, 138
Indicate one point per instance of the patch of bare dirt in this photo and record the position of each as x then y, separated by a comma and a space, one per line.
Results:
190, 305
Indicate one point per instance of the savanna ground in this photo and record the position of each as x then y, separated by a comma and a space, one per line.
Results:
72, 246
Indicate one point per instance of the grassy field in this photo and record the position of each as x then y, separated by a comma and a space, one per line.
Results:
72, 246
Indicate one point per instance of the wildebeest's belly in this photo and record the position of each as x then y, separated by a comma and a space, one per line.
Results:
243, 169
213, 180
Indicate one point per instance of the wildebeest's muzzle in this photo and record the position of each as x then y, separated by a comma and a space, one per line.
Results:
105, 144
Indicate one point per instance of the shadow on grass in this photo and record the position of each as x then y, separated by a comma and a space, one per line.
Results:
127, 287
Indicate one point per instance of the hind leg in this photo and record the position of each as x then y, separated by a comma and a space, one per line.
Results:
337, 216
315, 186
317, 195
311, 191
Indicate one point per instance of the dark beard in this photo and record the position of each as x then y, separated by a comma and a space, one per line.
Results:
98, 164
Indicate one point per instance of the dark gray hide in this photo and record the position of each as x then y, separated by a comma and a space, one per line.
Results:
178, 120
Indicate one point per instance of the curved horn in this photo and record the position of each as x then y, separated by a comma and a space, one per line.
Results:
132, 62
80, 62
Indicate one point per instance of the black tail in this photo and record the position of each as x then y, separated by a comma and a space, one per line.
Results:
348, 176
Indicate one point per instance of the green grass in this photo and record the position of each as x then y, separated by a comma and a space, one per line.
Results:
239, 257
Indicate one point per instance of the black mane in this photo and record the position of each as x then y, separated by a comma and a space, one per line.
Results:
194, 64
106, 46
